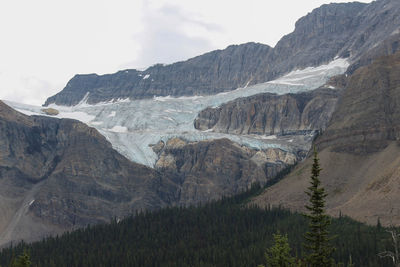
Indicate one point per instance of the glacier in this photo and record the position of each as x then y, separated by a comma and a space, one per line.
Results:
133, 126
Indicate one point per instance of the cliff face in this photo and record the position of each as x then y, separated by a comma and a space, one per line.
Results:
359, 151
344, 30
271, 114
217, 71
207, 170
60, 174
368, 115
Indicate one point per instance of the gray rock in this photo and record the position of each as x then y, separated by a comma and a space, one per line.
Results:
57, 175
271, 114
207, 170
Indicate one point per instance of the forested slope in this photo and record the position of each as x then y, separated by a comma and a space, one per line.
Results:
222, 233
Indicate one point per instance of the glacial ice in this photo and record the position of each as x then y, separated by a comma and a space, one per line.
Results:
132, 126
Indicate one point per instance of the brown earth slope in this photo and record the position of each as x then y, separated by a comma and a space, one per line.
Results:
359, 151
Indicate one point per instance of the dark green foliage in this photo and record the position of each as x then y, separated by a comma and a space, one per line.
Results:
317, 238
222, 233
22, 260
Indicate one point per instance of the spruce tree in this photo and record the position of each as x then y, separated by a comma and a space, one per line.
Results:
22, 261
317, 238
279, 254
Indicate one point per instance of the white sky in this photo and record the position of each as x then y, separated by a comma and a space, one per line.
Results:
44, 43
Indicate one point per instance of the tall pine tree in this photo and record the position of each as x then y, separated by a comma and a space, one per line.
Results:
317, 238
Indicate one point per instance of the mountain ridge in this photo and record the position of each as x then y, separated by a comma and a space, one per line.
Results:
334, 30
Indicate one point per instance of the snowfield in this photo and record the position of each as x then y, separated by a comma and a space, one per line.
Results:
132, 126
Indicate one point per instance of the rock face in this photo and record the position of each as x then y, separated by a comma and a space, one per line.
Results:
345, 30
207, 170
271, 114
359, 151
60, 174
368, 116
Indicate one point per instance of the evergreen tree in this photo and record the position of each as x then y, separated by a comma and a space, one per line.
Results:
317, 238
22, 261
279, 254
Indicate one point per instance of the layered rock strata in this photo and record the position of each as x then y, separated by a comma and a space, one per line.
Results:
271, 114
209, 169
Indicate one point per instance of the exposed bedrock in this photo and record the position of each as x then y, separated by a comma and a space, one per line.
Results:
56, 175
207, 170
368, 114
271, 114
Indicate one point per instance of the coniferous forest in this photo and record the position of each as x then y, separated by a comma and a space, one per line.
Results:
221, 233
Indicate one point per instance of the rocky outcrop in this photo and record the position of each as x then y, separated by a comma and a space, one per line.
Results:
271, 114
344, 30
207, 170
368, 115
50, 111
359, 151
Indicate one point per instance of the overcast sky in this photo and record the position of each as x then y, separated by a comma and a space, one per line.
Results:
44, 43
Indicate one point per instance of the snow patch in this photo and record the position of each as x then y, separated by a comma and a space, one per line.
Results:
269, 137
146, 76
96, 123
395, 31
76, 115
119, 129
112, 114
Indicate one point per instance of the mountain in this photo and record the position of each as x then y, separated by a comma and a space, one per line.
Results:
60, 174
359, 151
346, 30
